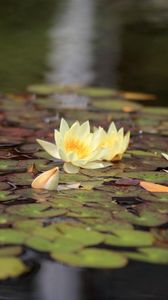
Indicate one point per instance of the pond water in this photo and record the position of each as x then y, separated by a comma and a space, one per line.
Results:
121, 44
117, 44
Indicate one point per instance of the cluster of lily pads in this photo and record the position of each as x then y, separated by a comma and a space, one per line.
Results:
113, 217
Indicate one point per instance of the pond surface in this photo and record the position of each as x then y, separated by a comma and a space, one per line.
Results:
121, 44
115, 44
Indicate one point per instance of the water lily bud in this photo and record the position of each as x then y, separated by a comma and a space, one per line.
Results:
47, 180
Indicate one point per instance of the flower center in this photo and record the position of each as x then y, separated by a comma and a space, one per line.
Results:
74, 145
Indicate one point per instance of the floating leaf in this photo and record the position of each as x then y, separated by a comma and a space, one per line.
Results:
152, 255
92, 258
12, 236
82, 235
129, 238
11, 267
6, 196
39, 244
153, 187
35, 210
158, 177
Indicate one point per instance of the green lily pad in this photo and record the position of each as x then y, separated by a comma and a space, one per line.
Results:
8, 165
11, 267
49, 232
157, 177
27, 225
144, 216
141, 153
92, 258
151, 255
6, 196
39, 244
97, 92
116, 105
83, 235
20, 179
35, 210
129, 238
12, 236
44, 89
156, 110
66, 245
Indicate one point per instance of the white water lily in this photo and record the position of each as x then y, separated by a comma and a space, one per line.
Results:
47, 180
76, 146
115, 142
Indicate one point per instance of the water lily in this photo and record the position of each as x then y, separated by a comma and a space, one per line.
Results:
47, 180
76, 146
115, 142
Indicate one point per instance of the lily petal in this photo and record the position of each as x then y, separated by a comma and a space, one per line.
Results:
96, 165
63, 126
47, 180
50, 148
69, 168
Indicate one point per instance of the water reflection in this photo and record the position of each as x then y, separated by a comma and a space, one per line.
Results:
111, 43
58, 282
70, 58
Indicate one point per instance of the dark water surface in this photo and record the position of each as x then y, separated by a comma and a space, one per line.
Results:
55, 281
120, 44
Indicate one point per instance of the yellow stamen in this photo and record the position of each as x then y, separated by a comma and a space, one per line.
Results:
74, 145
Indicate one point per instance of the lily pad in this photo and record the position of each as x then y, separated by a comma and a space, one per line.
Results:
39, 244
6, 196
11, 267
92, 258
129, 238
12, 236
83, 235
157, 177
151, 255
35, 210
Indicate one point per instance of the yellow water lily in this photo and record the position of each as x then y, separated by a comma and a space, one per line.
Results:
47, 180
115, 142
76, 146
